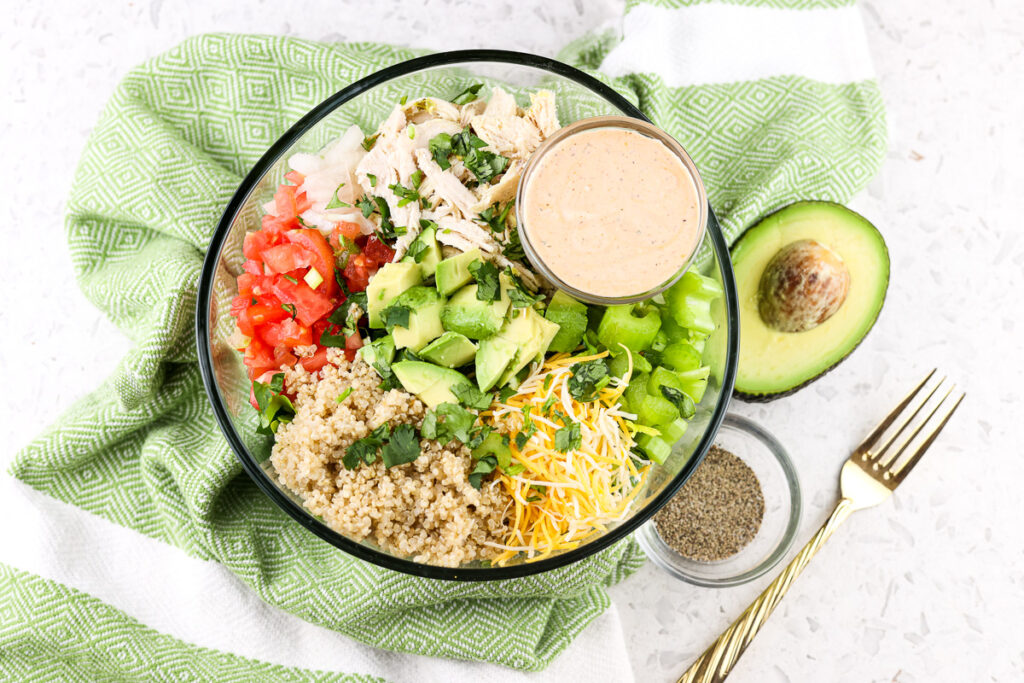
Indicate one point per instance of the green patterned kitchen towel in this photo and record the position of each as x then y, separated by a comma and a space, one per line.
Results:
143, 451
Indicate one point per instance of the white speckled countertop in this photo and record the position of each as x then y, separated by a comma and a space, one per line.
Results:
929, 587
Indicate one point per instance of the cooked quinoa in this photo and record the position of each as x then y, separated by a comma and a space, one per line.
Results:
426, 510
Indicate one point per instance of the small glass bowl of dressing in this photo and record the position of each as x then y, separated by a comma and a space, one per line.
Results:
780, 487
592, 225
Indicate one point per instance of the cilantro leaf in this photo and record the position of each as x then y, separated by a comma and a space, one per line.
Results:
680, 400
274, 408
440, 147
485, 165
418, 251
583, 384
494, 219
465, 142
518, 295
568, 438
336, 203
468, 95
366, 205
472, 397
505, 393
521, 439
484, 466
513, 250
358, 298
486, 275
456, 424
372, 178
402, 448
395, 314
369, 142
405, 194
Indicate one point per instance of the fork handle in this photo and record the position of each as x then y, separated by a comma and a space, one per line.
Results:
719, 659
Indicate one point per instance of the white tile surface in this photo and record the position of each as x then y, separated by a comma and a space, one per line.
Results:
927, 588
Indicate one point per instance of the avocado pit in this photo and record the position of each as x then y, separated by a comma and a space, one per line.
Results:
803, 285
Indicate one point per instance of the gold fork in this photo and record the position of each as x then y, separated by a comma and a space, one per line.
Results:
869, 476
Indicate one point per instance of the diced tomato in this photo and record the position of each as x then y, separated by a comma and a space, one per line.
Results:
255, 243
294, 177
275, 225
282, 356
239, 304
284, 202
358, 272
322, 257
310, 306
287, 257
289, 333
353, 343
378, 251
259, 358
302, 203
349, 230
316, 361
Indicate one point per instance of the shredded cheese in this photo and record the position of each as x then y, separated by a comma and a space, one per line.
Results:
559, 500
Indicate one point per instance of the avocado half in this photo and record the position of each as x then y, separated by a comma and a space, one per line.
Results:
772, 363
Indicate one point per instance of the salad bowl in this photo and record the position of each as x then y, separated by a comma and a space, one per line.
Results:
365, 103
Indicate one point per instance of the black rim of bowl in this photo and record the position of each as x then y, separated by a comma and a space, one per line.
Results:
295, 510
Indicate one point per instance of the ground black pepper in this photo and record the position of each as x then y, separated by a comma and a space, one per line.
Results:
716, 513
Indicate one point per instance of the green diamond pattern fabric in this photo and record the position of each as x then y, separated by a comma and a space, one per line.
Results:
143, 450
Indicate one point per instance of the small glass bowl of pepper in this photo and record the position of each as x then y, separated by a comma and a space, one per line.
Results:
733, 521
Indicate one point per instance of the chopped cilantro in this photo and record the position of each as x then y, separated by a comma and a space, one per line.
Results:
457, 423
585, 377
506, 393
486, 275
514, 469
495, 220
440, 147
418, 251
405, 194
366, 205
402, 448
485, 165
551, 400
472, 397
513, 250
405, 98
568, 438
290, 308
365, 449
416, 178
358, 298
484, 466
274, 408
290, 279
521, 439
680, 400
465, 142
373, 179
519, 296
369, 142
345, 394
468, 95
336, 203
395, 315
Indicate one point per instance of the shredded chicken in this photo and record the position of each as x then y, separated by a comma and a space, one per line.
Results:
541, 112
508, 136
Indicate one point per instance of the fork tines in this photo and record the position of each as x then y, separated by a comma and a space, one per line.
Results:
899, 441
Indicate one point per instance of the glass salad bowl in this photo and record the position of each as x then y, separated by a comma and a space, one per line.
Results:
366, 103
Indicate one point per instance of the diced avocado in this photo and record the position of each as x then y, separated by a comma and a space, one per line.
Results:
530, 333
681, 356
388, 283
674, 430
548, 331
379, 350
655, 410
494, 445
451, 350
466, 314
492, 358
656, 448
571, 317
453, 272
428, 255
425, 305
431, 383
631, 325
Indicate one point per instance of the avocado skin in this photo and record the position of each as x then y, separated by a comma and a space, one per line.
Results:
771, 396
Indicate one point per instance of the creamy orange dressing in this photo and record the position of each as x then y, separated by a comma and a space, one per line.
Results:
612, 212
